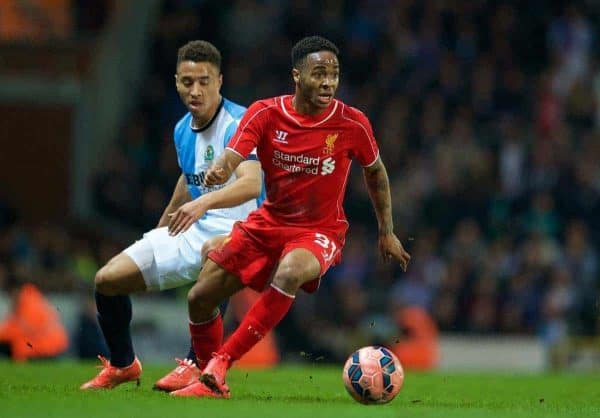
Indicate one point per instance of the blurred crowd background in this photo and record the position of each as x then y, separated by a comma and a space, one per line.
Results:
487, 114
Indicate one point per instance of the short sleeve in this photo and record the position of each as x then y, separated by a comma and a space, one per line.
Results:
231, 128
247, 136
366, 149
178, 132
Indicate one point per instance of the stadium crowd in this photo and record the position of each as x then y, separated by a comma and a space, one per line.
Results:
488, 118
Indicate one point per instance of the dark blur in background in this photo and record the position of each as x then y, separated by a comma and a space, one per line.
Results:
487, 114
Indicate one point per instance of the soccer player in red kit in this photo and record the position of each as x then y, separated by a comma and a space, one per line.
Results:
305, 144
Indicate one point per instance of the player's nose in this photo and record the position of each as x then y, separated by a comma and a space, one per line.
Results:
196, 90
327, 83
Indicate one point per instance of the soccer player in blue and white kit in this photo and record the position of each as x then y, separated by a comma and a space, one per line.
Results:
170, 255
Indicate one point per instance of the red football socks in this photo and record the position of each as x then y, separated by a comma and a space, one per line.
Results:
206, 339
262, 317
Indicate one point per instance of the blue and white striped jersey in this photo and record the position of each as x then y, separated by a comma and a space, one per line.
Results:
198, 148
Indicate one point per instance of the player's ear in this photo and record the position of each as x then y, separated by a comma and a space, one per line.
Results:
176, 80
295, 75
220, 80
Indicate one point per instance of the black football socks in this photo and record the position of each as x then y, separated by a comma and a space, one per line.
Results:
114, 316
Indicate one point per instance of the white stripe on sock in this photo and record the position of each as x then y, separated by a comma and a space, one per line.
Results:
282, 292
205, 322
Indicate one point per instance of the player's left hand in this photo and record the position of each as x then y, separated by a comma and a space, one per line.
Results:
391, 248
185, 216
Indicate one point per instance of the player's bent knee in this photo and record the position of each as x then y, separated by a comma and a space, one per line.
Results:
294, 271
290, 279
211, 288
201, 296
108, 281
194, 295
200, 293
288, 284
104, 282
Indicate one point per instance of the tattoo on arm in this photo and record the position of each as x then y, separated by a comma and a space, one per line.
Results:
378, 185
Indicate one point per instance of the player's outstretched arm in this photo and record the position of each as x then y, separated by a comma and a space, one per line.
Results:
378, 184
247, 186
223, 168
179, 197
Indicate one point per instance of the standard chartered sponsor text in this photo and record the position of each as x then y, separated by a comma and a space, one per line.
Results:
286, 162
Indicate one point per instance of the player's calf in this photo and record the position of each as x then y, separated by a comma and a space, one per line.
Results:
213, 287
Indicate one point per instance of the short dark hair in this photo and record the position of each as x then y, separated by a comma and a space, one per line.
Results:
199, 51
309, 45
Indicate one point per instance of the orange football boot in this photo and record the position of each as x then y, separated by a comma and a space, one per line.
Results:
200, 390
111, 376
180, 377
215, 371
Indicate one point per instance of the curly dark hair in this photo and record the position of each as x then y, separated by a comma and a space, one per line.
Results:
309, 45
199, 51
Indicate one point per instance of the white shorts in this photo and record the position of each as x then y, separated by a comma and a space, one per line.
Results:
167, 262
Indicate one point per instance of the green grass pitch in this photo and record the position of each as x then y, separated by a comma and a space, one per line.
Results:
50, 389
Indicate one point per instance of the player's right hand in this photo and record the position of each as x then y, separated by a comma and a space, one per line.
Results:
214, 176
185, 216
391, 248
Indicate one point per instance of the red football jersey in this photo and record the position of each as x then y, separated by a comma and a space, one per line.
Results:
305, 159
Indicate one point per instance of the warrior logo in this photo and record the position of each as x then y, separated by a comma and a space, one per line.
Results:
281, 136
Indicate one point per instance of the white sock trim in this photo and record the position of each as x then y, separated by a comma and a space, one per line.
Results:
205, 322
282, 292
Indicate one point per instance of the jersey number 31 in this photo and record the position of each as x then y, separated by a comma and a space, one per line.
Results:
327, 244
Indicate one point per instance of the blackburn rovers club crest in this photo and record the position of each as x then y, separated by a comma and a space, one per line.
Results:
209, 155
330, 144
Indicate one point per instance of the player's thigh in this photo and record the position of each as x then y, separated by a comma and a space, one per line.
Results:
169, 261
247, 257
214, 285
211, 244
297, 267
120, 276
